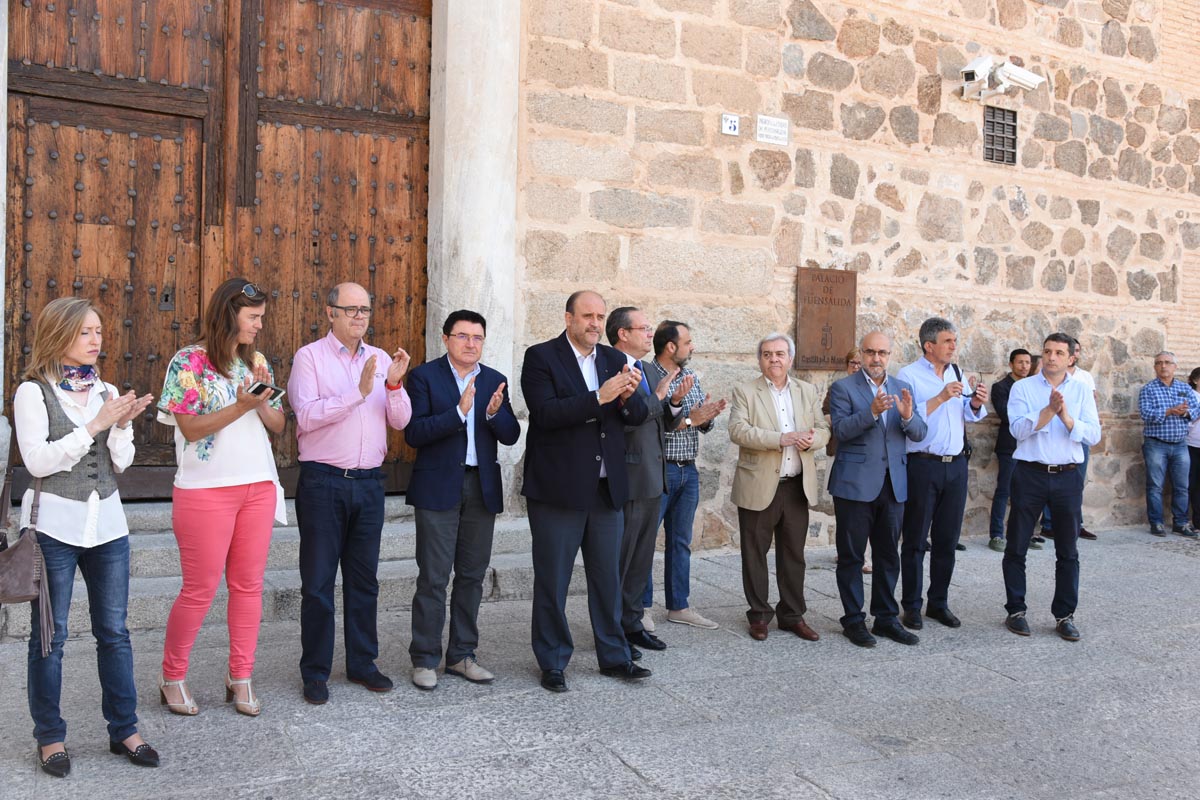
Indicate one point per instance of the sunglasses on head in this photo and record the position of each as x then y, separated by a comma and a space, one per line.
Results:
251, 291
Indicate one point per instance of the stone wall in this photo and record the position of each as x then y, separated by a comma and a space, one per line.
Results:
626, 185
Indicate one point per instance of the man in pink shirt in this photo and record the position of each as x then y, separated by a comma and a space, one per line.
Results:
346, 394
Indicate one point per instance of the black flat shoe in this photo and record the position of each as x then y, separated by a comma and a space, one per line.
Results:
859, 635
143, 755
628, 671
57, 765
1017, 624
375, 682
895, 632
553, 680
316, 692
645, 640
634, 653
944, 616
912, 620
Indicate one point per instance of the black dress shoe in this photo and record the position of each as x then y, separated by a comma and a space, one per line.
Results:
859, 635
895, 632
316, 692
960, 547
944, 616
57, 765
646, 640
1084, 533
143, 755
1067, 630
376, 681
634, 653
1017, 624
912, 620
628, 671
553, 680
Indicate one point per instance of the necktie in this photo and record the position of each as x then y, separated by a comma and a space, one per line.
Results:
645, 383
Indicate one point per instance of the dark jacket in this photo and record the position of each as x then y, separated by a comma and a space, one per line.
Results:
1005, 443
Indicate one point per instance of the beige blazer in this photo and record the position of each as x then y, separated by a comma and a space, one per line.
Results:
754, 428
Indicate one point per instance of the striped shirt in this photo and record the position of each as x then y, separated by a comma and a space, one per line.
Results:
682, 444
1154, 400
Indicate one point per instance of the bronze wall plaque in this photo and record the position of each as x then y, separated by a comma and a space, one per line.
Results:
826, 317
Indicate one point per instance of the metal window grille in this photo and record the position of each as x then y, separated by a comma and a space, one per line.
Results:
999, 135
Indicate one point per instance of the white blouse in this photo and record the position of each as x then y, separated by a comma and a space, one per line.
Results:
79, 523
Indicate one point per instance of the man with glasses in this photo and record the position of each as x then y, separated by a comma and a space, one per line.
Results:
461, 413
346, 394
1167, 407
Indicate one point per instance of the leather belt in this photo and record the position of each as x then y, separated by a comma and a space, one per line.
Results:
1052, 469
682, 463
352, 474
936, 457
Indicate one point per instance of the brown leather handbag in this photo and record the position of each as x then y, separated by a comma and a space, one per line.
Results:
22, 569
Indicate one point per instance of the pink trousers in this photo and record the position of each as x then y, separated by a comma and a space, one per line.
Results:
227, 529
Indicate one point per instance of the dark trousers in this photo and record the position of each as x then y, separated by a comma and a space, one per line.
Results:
341, 521
558, 535
1004, 471
937, 495
1194, 485
858, 523
458, 539
785, 520
637, 558
1031, 490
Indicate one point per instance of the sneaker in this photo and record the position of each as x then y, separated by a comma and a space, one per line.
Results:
1185, 529
689, 616
1065, 628
1017, 624
469, 668
1157, 529
997, 543
424, 678
647, 621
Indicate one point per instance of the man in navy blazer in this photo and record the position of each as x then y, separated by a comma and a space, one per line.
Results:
460, 412
581, 395
872, 414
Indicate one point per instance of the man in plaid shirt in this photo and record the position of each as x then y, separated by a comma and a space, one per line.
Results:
1167, 407
672, 348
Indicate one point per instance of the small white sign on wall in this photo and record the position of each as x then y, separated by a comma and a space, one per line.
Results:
772, 130
730, 124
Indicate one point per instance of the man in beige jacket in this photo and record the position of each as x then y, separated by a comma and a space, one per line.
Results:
777, 424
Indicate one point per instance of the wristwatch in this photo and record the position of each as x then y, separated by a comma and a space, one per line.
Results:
687, 421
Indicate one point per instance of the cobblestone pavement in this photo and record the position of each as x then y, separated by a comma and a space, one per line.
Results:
969, 713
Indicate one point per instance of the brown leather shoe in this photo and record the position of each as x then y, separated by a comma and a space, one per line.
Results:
758, 631
802, 630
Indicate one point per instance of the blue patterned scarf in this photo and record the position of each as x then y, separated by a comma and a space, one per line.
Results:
78, 379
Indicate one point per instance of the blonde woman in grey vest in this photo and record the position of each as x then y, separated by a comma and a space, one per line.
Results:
75, 433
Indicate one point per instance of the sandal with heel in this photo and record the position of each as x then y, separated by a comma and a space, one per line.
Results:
250, 707
186, 708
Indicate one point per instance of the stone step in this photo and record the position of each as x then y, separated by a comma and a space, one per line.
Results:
509, 577
156, 555
155, 516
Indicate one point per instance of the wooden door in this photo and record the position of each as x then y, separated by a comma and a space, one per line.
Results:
157, 147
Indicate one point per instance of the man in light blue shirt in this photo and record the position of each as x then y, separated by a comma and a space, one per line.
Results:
937, 472
1053, 417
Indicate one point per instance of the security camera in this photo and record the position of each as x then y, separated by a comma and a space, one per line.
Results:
978, 69
1009, 73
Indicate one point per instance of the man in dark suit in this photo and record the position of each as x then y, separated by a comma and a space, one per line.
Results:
456, 490
581, 395
1018, 368
872, 414
646, 468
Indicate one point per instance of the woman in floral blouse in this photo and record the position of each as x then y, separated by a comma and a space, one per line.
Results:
227, 488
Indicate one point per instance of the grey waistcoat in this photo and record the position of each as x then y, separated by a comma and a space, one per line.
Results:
93, 471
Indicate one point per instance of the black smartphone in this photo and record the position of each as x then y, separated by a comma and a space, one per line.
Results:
258, 387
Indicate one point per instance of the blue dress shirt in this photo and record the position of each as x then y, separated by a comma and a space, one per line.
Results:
947, 424
471, 460
1052, 443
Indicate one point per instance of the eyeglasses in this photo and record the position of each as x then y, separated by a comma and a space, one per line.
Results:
643, 329
1162, 363
871, 353
473, 338
853, 363
251, 291
354, 311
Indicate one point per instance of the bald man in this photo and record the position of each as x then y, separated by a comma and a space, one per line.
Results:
346, 394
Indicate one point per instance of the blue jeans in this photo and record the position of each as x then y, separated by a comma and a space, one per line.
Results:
1004, 462
678, 512
105, 570
1163, 460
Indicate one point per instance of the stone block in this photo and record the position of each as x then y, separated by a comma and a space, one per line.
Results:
810, 109
1089, 211
929, 94
1115, 104
665, 125
712, 44
1072, 242
685, 172
913, 261
1120, 244
762, 54
1104, 279
637, 33
575, 111
587, 257
887, 74
1194, 114
737, 183
843, 176
565, 66
1152, 246
673, 265
1171, 119
829, 72
1117, 9
1086, 96
1069, 32
549, 202
861, 120
940, 218
1037, 235
1189, 234
889, 195
1142, 285
651, 80
1186, 149
789, 243
1054, 276
1011, 14
740, 219
756, 13
1133, 167
858, 38
770, 168
793, 61
795, 204
950, 131
627, 209
1107, 135
809, 23
1112, 39
1071, 157
1150, 95
572, 160
1141, 43
987, 266
1101, 169
565, 19
704, 7
1032, 154
806, 169
1018, 273
866, 225
1060, 208
729, 92
896, 33
1051, 128
950, 62
1135, 134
